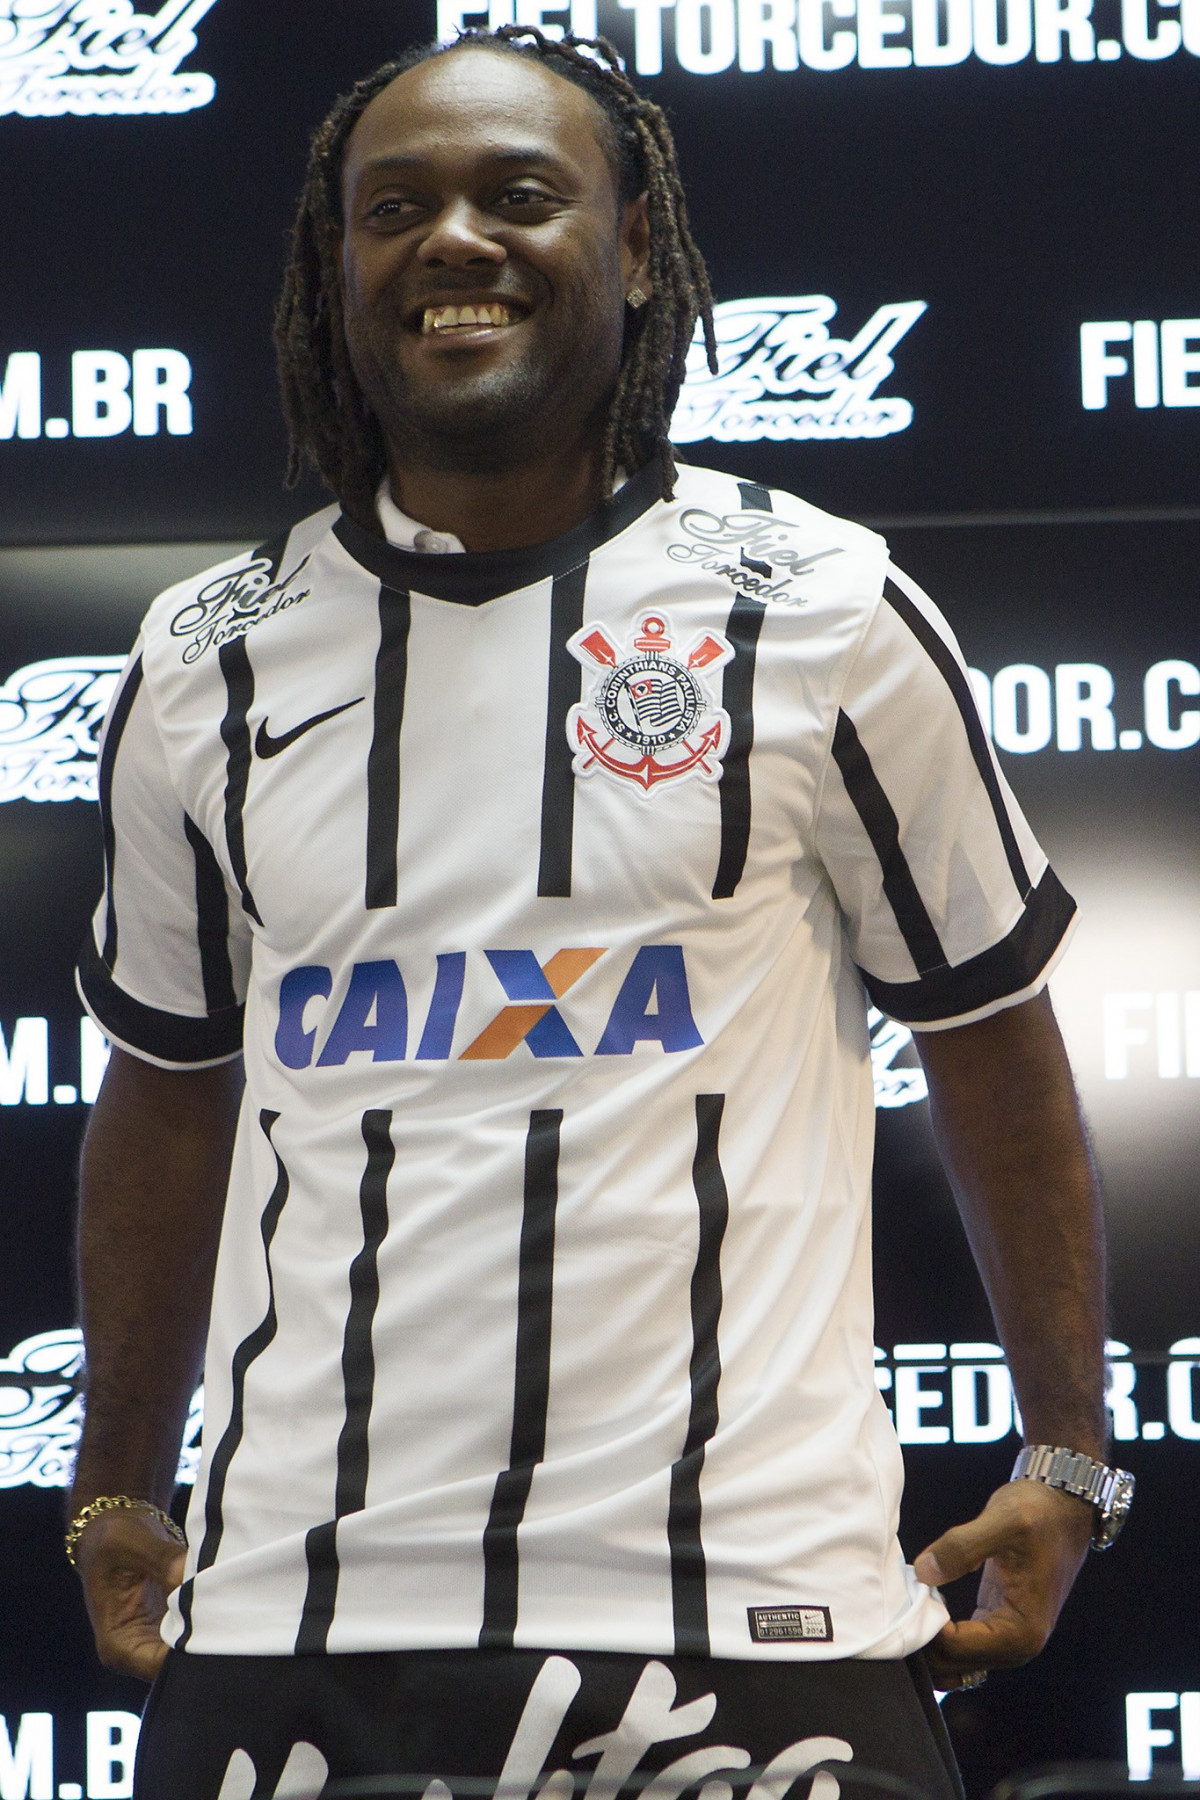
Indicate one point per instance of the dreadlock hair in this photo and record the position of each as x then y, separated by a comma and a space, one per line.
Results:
329, 422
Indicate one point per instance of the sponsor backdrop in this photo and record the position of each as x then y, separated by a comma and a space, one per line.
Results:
954, 248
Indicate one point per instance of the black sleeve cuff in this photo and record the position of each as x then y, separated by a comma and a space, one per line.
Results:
168, 1037
1008, 968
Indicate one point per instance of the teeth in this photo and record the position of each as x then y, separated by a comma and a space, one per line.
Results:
448, 318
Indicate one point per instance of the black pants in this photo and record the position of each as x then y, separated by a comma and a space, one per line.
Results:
289, 1727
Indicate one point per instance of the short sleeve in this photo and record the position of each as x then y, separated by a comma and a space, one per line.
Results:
950, 906
163, 971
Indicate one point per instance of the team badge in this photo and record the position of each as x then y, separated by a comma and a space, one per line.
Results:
650, 715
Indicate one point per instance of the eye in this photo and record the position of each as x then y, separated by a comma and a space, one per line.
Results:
392, 207
523, 197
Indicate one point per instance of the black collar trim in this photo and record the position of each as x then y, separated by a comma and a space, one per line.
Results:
474, 576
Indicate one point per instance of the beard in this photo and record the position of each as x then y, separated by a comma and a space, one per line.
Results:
481, 422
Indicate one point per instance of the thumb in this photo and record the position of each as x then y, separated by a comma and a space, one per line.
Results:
957, 1552
171, 1569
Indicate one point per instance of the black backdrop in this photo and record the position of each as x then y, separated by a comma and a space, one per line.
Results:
1018, 202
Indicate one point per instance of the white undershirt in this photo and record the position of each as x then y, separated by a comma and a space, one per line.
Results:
408, 534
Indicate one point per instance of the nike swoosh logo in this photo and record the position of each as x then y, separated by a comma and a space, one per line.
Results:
266, 745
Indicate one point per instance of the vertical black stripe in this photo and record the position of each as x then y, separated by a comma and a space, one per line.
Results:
358, 1356
689, 1585
755, 497
212, 921
565, 684
235, 735
358, 1380
250, 1348
742, 629
940, 654
272, 553
383, 762
531, 1383
883, 828
108, 757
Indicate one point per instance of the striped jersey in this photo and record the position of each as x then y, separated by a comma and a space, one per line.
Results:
544, 891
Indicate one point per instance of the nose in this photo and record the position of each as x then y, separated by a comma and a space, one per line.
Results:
458, 237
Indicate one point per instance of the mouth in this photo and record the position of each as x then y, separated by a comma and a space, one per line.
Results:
491, 315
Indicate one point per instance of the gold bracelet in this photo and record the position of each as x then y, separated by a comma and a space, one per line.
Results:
116, 1503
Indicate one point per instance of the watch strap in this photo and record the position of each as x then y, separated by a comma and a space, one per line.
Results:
1109, 1490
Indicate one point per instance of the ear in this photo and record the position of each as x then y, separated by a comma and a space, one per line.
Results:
635, 246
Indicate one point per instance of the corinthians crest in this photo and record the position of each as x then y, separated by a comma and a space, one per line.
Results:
650, 715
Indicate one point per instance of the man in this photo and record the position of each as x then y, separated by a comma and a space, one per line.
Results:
534, 820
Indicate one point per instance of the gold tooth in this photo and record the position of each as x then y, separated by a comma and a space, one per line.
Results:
445, 318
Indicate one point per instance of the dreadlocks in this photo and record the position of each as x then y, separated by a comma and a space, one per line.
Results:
329, 422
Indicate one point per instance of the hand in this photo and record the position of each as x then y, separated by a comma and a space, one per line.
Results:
1031, 1540
128, 1565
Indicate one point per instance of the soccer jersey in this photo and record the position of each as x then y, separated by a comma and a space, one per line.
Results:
543, 890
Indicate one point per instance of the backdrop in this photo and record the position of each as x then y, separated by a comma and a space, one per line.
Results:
954, 246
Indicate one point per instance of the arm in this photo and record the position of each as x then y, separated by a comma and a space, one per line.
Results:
152, 1192
1011, 1138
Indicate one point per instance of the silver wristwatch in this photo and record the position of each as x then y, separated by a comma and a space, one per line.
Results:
1110, 1491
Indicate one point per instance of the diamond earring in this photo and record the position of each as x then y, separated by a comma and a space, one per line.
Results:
636, 298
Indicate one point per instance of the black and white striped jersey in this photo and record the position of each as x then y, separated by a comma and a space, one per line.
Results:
542, 888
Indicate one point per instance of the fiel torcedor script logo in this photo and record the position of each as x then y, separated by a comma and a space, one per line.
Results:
51, 713
90, 57
782, 376
40, 1422
233, 602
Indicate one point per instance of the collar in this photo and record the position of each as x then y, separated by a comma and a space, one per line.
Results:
473, 577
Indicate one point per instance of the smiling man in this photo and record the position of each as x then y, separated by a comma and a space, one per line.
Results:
488, 351
535, 822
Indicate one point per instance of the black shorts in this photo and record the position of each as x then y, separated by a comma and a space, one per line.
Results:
554, 1724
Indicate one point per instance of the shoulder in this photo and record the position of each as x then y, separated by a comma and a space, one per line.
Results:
775, 546
187, 625
742, 493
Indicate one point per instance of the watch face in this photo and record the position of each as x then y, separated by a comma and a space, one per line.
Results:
1114, 1515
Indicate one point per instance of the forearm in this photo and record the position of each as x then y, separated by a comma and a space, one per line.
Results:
152, 1187
1013, 1143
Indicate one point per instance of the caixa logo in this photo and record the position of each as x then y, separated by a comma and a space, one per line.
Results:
653, 1005
780, 375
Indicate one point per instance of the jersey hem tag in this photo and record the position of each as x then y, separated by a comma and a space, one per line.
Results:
790, 1624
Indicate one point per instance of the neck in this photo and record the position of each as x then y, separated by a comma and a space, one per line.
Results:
502, 509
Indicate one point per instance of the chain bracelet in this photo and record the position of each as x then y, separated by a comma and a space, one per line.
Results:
116, 1503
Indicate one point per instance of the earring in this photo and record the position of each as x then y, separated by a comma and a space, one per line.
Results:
636, 298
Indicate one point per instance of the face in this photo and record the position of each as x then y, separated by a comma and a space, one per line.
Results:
486, 257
